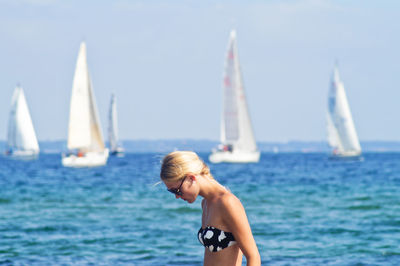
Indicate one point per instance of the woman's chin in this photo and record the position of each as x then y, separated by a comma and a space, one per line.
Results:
190, 200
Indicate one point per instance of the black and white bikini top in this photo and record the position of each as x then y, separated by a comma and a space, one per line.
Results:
215, 239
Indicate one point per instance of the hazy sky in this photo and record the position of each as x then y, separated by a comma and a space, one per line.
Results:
164, 61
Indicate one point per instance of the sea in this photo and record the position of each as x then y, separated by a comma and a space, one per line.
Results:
303, 208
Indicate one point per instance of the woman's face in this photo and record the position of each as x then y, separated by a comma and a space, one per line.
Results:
184, 188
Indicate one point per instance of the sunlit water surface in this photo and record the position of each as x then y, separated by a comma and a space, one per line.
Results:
304, 209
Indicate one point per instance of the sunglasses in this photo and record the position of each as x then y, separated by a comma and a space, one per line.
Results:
177, 191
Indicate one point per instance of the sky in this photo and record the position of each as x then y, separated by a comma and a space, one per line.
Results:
164, 61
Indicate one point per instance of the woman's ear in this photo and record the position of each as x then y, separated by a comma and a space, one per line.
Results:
192, 177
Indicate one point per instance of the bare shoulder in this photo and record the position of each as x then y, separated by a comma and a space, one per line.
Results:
228, 202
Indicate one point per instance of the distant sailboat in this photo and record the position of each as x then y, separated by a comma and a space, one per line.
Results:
22, 142
85, 139
115, 146
238, 144
342, 135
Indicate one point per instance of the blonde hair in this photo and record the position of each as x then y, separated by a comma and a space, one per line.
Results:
176, 165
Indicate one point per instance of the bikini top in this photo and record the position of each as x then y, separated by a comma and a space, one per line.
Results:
215, 239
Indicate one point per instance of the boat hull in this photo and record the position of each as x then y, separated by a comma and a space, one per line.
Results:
346, 154
23, 154
234, 157
119, 152
350, 155
90, 159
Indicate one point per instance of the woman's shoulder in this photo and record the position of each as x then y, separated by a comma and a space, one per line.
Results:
230, 209
228, 201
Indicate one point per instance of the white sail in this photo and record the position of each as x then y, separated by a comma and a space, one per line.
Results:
333, 137
236, 128
84, 130
342, 135
21, 137
115, 147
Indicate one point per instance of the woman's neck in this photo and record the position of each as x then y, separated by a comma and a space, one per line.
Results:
210, 188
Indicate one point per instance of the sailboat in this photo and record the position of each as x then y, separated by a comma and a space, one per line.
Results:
85, 139
115, 146
238, 144
342, 135
21, 138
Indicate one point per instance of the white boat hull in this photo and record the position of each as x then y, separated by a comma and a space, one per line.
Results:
90, 159
23, 155
234, 157
347, 154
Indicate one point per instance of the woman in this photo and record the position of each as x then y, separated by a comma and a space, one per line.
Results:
225, 231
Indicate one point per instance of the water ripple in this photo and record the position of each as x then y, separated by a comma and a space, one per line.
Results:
304, 209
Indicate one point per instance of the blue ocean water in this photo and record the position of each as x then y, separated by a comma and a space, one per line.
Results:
304, 209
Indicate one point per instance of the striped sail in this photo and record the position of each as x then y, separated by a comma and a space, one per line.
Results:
236, 127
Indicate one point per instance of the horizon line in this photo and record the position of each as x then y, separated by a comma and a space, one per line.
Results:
213, 140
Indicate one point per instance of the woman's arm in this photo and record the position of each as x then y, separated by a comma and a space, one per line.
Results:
234, 216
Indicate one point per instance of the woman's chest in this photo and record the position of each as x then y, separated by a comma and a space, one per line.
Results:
212, 217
